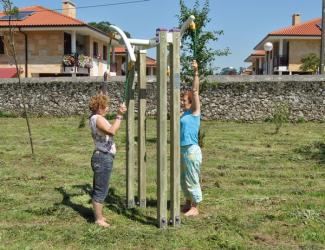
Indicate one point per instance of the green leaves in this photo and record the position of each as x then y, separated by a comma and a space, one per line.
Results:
9, 8
205, 55
310, 63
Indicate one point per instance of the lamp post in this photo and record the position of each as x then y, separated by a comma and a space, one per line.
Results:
268, 48
322, 45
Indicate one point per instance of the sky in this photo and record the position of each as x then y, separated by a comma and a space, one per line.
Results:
244, 22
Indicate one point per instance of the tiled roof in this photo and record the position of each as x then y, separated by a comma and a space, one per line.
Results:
309, 28
121, 50
258, 53
150, 61
254, 55
43, 17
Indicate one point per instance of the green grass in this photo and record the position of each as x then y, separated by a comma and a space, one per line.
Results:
261, 190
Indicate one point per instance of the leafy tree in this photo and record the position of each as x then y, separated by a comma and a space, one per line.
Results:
10, 10
310, 63
204, 54
104, 26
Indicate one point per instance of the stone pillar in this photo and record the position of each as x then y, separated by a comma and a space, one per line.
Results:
73, 42
280, 55
260, 65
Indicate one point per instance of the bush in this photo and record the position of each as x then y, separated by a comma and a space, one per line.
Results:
82, 122
301, 120
201, 138
281, 115
4, 114
110, 116
310, 63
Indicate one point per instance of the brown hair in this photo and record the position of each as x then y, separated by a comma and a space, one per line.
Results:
189, 95
98, 101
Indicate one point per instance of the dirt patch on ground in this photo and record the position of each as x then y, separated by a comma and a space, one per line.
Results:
266, 239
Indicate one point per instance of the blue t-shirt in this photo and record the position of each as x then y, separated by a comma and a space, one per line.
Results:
190, 125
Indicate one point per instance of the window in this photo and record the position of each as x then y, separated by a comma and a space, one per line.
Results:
2, 46
105, 53
67, 43
95, 49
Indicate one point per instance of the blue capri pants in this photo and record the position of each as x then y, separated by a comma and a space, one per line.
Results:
191, 159
102, 165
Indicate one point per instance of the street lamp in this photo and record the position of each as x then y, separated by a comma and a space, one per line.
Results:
322, 45
268, 48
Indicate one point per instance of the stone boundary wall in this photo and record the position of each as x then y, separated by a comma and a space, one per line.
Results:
241, 98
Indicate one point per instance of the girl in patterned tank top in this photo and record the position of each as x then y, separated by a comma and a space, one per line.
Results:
102, 159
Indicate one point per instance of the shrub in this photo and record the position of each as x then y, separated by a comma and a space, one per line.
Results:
7, 115
82, 122
201, 138
110, 116
281, 115
310, 63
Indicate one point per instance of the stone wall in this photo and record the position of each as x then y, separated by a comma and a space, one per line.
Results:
244, 98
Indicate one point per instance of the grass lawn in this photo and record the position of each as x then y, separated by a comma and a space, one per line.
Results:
261, 190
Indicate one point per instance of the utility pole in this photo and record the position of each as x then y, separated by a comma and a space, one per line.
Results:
322, 45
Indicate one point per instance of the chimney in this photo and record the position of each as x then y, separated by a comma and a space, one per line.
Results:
296, 19
69, 8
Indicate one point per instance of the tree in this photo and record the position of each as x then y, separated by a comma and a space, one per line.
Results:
11, 11
104, 26
310, 63
204, 54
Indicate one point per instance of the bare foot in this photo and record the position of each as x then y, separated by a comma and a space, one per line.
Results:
102, 223
192, 212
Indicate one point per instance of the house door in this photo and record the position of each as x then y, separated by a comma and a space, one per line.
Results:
95, 68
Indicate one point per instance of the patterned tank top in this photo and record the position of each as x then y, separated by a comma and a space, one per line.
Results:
103, 142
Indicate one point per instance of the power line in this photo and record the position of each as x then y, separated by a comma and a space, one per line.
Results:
108, 4
98, 5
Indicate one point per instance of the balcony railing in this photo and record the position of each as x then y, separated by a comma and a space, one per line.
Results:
80, 61
76, 64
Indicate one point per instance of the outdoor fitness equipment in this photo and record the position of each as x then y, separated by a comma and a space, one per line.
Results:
165, 41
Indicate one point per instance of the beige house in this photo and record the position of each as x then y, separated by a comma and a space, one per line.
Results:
49, 43
290, 44
118, 59
257, 58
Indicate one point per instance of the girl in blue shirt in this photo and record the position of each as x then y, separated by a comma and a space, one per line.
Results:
191, 156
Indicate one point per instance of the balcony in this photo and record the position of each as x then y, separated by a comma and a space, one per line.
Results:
280, 63
76, 64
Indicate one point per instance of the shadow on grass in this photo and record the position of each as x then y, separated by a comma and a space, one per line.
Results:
113, 202
315, 151
85, 212
116, 204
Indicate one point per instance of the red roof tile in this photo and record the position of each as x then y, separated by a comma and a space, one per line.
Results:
120, 50
8, 72
258, 53
150, 61
43, 17
309, 28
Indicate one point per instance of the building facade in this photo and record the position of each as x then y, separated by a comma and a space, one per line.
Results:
49, 43
290, 45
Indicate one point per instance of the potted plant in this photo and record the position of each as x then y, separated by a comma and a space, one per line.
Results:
85, 62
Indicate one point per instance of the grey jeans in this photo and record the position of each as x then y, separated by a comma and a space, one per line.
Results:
102, 165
